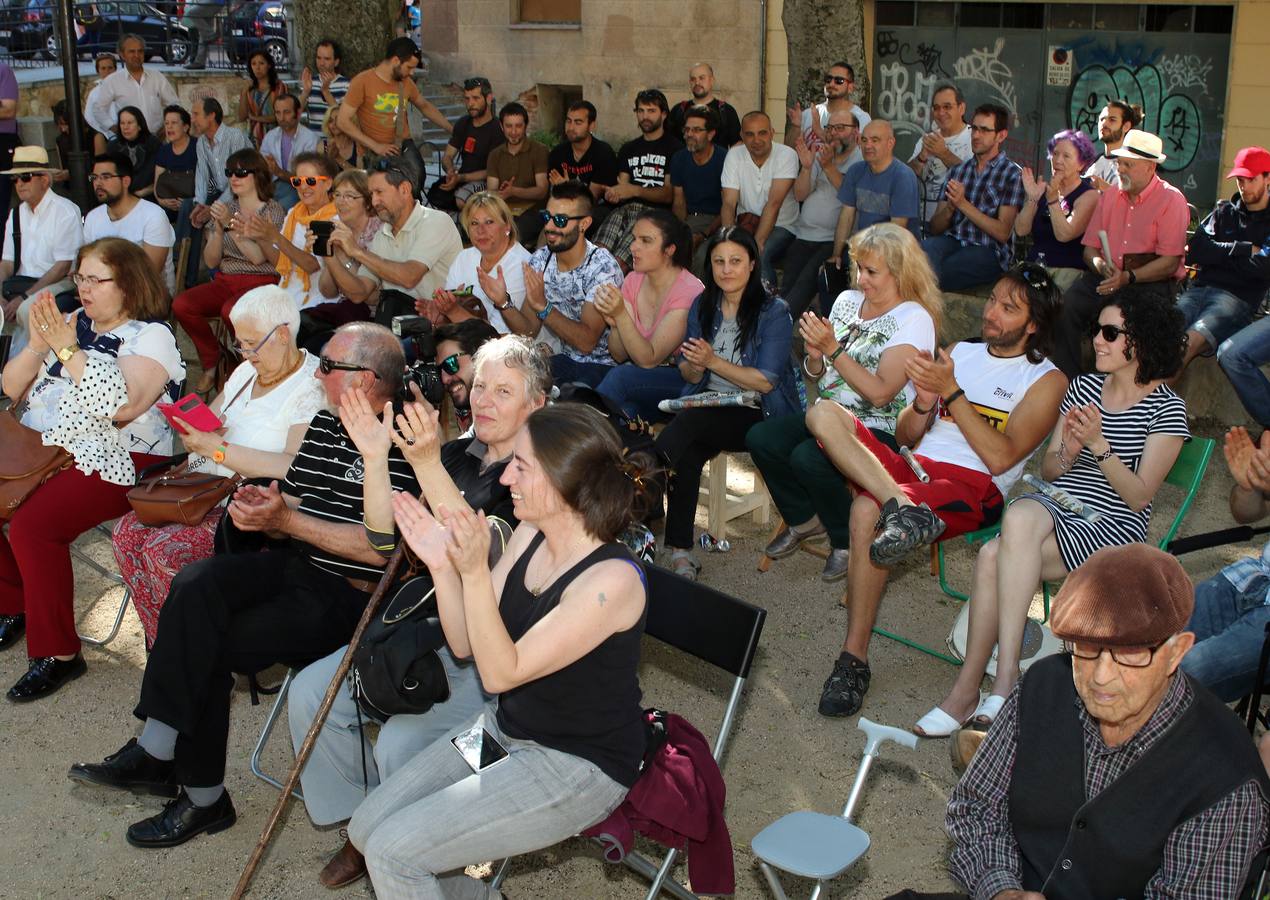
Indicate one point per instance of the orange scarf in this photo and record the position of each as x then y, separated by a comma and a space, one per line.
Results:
297, 216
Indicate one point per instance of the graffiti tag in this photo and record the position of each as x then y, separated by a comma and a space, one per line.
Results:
1185, 72
986, 66
905, 106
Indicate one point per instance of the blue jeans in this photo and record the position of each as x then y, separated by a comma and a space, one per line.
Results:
1230, 627
1241, 358
567, 370
773, 252
959, 266
1213, 313
638, 391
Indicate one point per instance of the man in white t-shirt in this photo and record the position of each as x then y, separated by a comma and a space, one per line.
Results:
1116, 120
809, 124
758, 181
124, 215
980, 410
945, 146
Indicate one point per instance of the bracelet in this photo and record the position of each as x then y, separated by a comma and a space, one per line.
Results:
1103, 457
948, 401
833, 357
1055, 202
809, 372
33, 350
1062, 457
922, 412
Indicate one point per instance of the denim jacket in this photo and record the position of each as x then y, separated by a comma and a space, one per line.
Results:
767, 350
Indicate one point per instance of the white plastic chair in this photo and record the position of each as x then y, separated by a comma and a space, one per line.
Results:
817, 845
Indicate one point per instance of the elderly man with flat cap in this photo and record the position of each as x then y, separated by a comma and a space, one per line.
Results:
1109, 772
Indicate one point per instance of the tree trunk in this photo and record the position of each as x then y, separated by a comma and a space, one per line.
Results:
363, 29
819, 33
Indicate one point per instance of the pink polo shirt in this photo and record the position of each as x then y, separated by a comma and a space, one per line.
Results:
1155, 223
686, 288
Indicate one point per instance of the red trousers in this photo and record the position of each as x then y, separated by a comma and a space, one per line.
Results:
35, 556
217, 297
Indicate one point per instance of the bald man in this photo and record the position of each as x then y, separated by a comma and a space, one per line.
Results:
701, 85
880, 188
758, 180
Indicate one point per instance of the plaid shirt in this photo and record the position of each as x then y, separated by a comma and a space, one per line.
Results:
999, 184
1205, 858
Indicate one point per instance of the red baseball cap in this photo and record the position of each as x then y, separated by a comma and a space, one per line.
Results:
1250, 162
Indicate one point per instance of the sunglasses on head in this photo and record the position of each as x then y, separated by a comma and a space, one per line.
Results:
560, 220
1036, 276
451, 363
1109, 332
326, 366
836, 79
237, 173
311, 180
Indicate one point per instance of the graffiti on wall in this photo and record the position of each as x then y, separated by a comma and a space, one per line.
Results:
1161, 91
986, 66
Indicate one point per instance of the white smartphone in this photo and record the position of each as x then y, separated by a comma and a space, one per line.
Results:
479, 749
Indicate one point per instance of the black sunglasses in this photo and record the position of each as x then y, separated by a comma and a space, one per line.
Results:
451, 363
836, 79
311, 180
25, 176
1109, 332
326, 366
1035, 275
388, 164
238, 173
560, 220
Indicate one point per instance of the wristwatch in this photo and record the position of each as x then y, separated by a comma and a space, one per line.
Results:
833, 357
506, 306
1104, 456
1133, 277
218, 455
67, 352
542, 314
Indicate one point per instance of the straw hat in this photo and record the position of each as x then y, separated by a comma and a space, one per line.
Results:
1141, 145
29, 159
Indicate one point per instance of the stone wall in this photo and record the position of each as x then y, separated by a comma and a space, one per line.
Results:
36, 100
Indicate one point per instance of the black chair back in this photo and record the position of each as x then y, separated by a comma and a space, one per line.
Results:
702, 621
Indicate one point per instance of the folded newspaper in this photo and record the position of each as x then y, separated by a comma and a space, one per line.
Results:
1063, 499
712, 398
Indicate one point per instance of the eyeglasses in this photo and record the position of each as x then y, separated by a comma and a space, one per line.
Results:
326, 366
841, 127
984, 129
254, 351
237, 173
472, 84
560, 220
1110, 333
103, 176
347, 196
311, 180
836, 79
694, 129
1130, 657
88, 280
451, 363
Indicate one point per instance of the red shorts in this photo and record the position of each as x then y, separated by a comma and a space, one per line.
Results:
964, 499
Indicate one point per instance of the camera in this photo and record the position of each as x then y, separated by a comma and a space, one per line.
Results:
420, 347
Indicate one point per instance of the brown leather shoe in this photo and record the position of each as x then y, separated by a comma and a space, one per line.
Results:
344, 868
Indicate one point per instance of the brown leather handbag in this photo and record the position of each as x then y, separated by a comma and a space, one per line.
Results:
25, 463
178, 496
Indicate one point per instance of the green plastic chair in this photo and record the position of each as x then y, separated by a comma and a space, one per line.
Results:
1187, 474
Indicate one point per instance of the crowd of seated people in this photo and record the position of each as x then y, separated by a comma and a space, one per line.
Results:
686, 266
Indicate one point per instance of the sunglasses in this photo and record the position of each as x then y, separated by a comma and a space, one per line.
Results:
451, 363
1036, 276
836, 79
388, 164
238, 173
326, 366
25, 176
560, 220
311, 181
1110, 333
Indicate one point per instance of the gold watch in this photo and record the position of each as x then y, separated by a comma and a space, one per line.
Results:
67, 352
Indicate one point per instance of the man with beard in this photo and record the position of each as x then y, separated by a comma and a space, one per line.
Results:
410, 255
809, 124
696, 172
1143, 223
1116, 120
457, 343
560, 283
316, 97
517, 172
581, 156
283, 144
124, 215
472, 140
945, 146
701, 84
643, 177
980, 410
372, 113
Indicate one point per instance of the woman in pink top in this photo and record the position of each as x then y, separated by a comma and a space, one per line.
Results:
648, 317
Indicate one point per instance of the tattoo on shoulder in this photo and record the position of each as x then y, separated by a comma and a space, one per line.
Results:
602, 599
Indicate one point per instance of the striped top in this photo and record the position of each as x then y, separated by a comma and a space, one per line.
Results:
326, 475
1159, 412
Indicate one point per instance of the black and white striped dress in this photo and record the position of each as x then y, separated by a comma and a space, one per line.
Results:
1159, 412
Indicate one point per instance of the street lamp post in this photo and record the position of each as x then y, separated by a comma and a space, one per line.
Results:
78, 162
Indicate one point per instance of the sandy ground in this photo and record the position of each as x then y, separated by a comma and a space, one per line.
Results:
64, 840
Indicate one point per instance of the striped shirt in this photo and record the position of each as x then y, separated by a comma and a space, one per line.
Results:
1205, 858
326, 475
999, 184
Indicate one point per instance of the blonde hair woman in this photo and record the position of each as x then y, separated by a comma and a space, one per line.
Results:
857, 357
492, 268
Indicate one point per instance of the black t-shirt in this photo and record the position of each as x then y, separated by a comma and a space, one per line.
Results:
648, 162
597, 166
729, 122
474, 142
461, 459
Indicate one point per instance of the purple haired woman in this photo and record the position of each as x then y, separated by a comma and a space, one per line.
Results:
1056, 213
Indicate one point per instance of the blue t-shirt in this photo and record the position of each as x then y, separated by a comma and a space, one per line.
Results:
879, 198
703, 189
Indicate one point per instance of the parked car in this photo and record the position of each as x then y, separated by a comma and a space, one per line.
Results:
258, 26
12, 14
99, 26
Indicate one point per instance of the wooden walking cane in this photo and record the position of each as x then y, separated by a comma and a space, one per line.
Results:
301, 757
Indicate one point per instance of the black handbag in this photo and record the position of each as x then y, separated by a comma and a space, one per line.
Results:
392, 303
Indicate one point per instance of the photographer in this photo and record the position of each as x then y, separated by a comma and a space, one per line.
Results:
456, 346
511, 381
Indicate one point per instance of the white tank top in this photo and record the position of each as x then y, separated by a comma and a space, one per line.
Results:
994, 386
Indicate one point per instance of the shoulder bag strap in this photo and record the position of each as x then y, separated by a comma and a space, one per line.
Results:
238, 393
16, 228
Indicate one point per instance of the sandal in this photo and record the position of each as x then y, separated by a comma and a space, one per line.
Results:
685, 566
987, 710
902, 529
936, 724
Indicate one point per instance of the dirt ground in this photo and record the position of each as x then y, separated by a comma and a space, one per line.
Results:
64, 840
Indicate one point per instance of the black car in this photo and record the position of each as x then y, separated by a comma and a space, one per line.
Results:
258, 26
100, 25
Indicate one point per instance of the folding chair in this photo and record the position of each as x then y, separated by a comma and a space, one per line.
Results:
716, 629
820, 846
271, 721
106, 528
1187, 474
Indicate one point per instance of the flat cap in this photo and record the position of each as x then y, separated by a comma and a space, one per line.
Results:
1134, 595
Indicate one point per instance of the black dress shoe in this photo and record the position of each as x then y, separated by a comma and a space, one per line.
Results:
182, 820
11, 628
47, 674
130, 769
